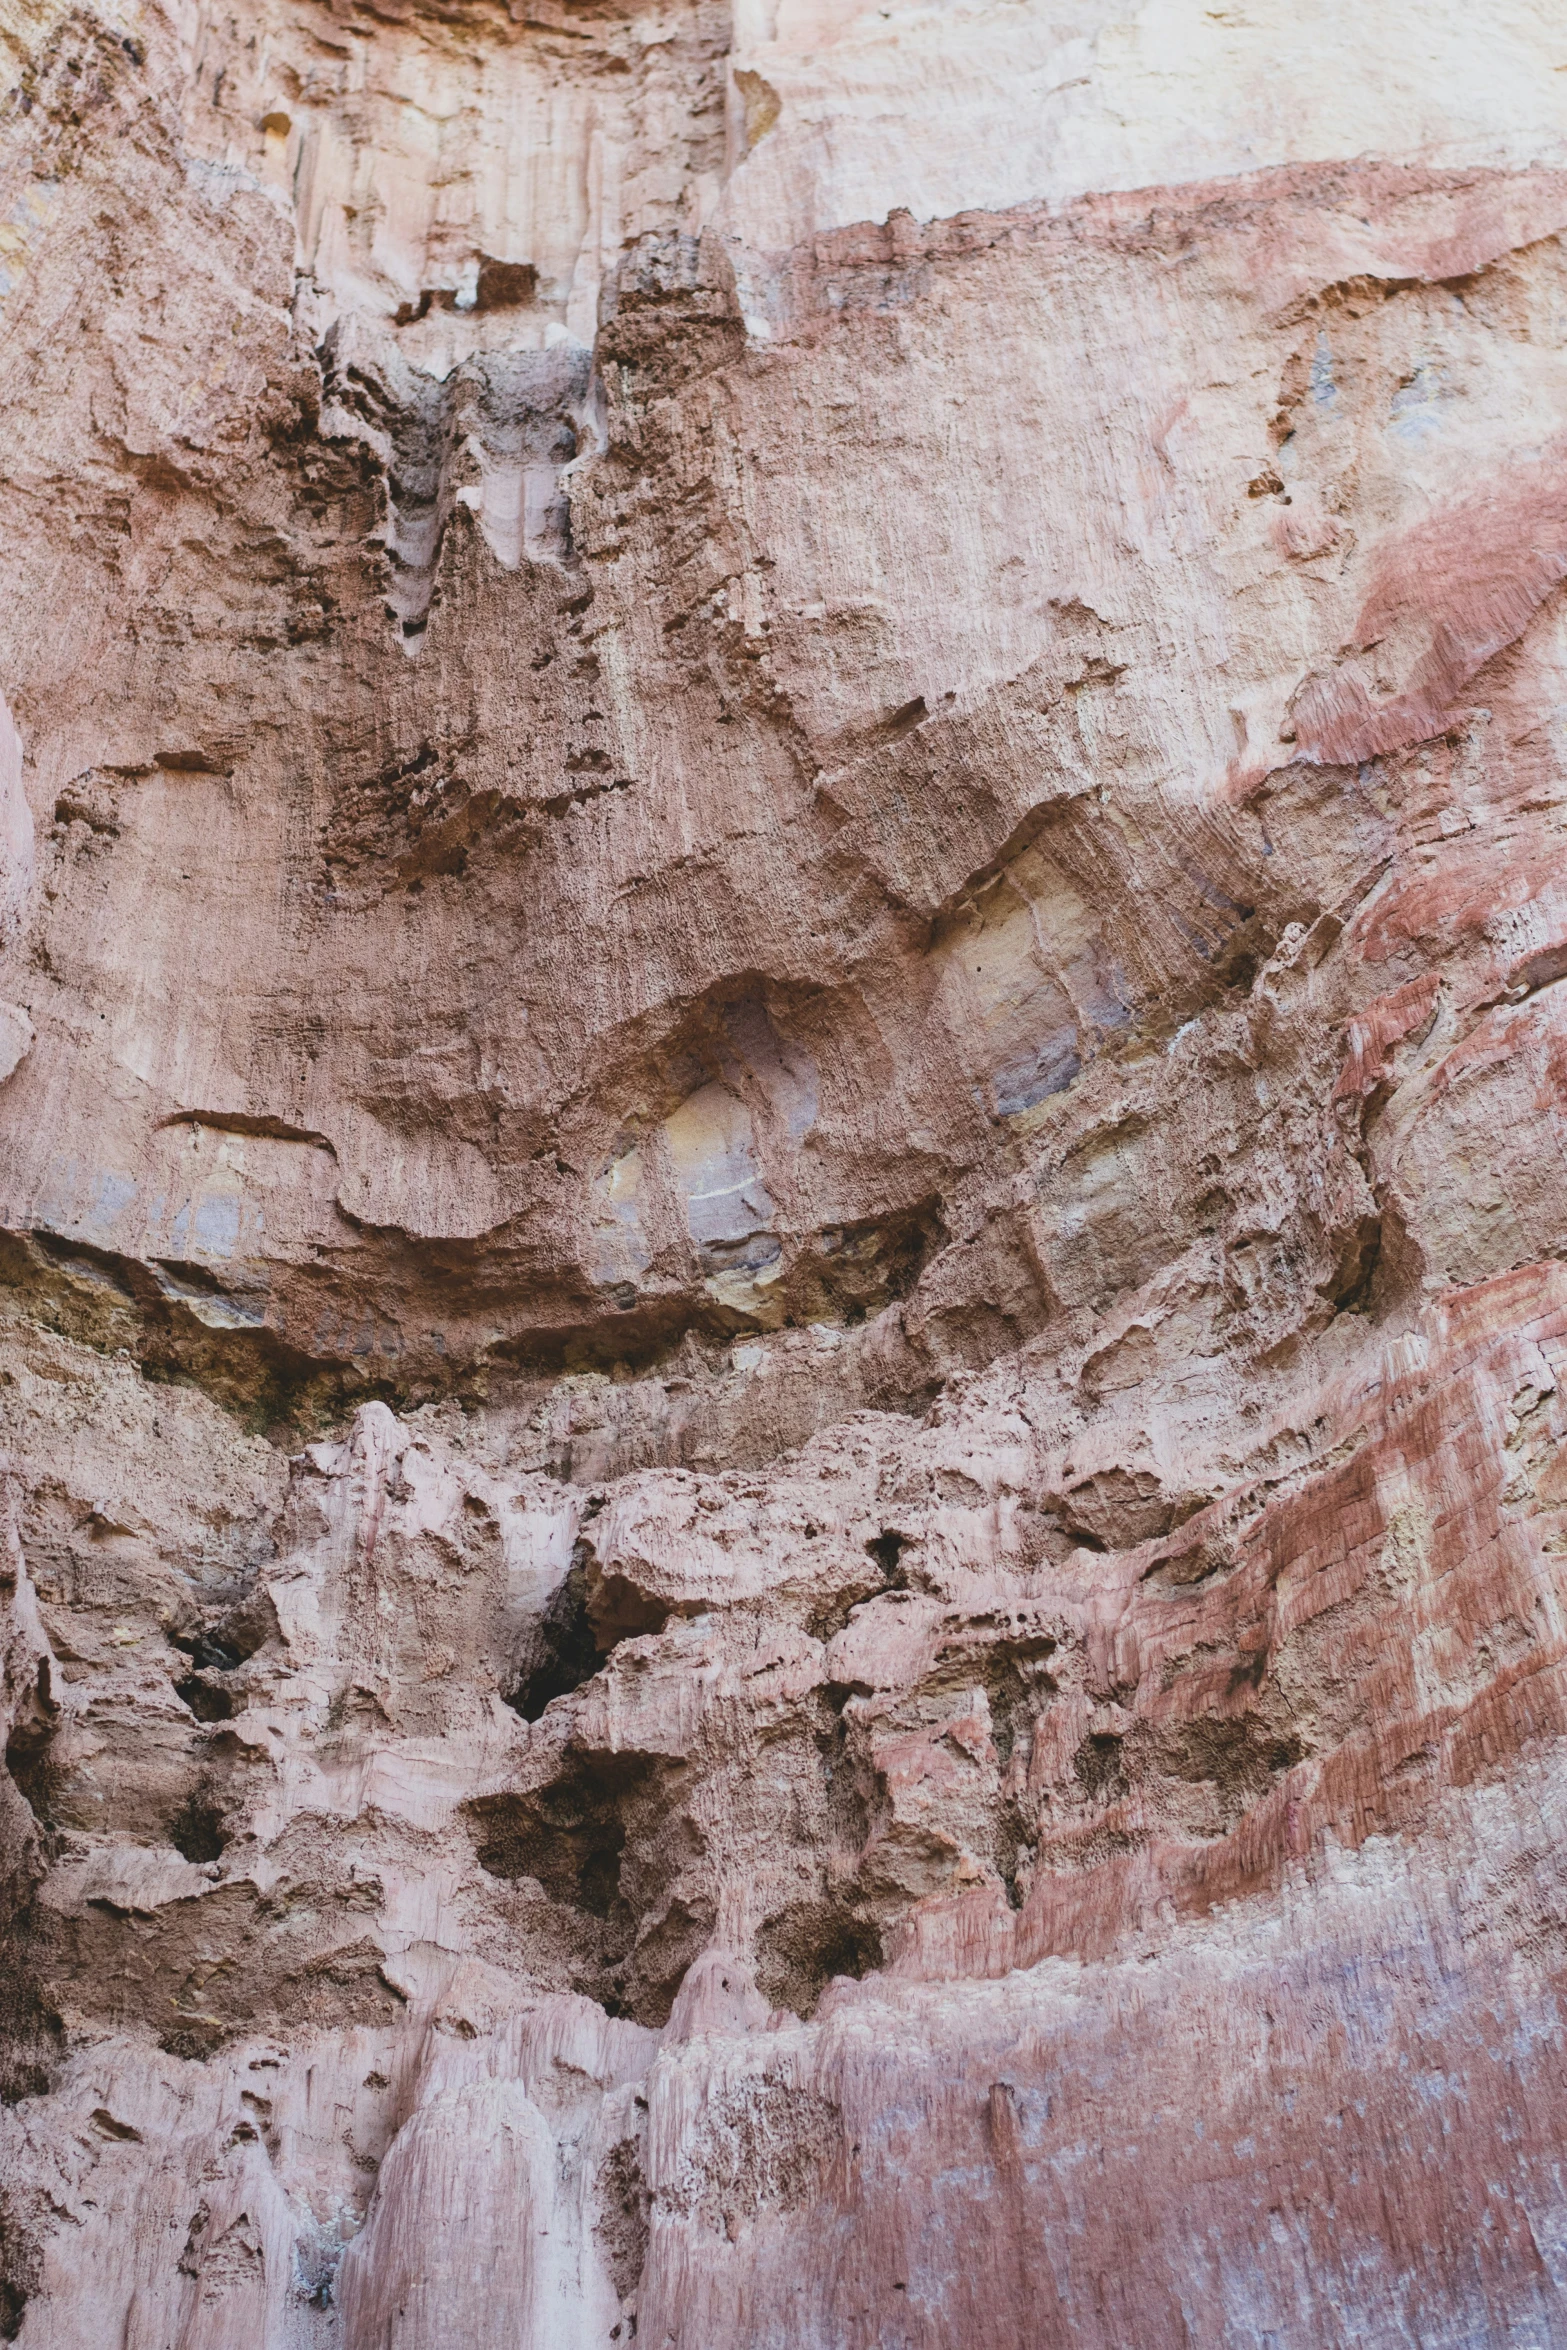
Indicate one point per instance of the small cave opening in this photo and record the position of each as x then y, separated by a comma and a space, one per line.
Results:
569, 1835
208, 1702
196, 1830
564, 1652
29, 1762
801, 1949
587, 1617
887, 1549
605, 1841
219, 1646
1098, 1765
211, 1653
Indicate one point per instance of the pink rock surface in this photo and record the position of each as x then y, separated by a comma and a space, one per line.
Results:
783, 1338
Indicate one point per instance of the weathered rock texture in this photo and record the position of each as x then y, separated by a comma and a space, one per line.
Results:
783, 1174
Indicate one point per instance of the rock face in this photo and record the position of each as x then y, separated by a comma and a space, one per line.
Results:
783, 1174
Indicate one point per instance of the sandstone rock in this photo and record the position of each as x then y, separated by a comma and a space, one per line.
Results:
782, 1183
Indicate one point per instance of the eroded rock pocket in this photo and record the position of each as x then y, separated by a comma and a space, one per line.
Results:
804, 1947
607, 1842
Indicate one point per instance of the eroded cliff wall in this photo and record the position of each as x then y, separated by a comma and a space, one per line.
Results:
783, 1345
